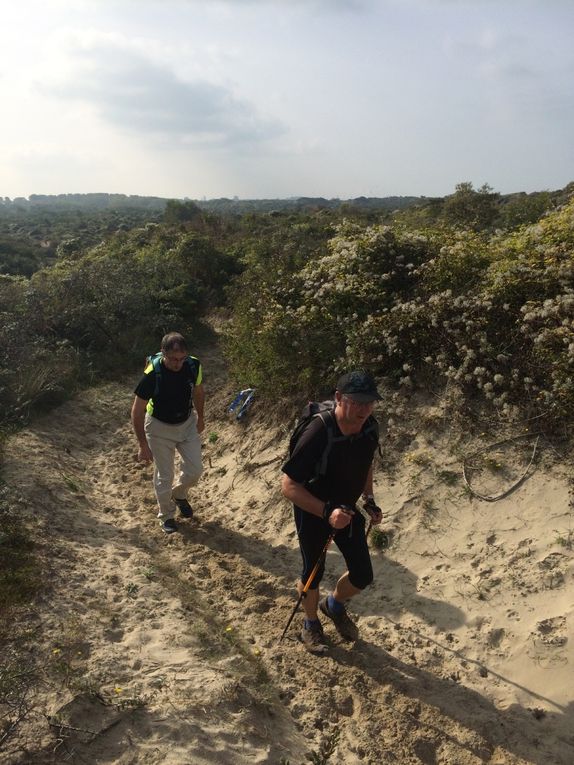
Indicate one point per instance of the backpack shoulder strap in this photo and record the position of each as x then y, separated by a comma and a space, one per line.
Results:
155, 362
372, 431
191, 362
327, 417
371, 428
194, 366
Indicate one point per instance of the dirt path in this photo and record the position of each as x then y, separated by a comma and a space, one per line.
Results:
154, 649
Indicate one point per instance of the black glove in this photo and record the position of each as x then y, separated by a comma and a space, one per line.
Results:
371, 506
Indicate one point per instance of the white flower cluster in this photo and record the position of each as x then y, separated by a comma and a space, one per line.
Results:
494, 317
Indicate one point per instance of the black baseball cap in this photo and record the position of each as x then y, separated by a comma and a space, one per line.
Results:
360, 386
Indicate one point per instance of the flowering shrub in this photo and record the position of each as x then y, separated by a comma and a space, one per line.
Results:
494, 316
294, 328
462, 259
491, 314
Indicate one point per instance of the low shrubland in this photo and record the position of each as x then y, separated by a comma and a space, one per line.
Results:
102, 311
491, 314
421, 299
485, 314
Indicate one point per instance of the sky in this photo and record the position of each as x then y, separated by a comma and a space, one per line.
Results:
285, 98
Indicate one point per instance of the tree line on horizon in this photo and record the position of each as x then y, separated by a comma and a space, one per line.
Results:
97, 202
34, 232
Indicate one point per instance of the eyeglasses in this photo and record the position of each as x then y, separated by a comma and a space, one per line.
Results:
175, 359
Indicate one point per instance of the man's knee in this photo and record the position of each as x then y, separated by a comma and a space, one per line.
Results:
361, 578
190, 476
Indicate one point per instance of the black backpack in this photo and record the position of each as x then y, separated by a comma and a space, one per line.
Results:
325, 410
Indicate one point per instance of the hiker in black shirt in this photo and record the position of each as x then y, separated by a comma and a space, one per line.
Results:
164, 422
324, 503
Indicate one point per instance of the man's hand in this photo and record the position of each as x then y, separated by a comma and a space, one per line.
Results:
341, 517
374, 511
144, 453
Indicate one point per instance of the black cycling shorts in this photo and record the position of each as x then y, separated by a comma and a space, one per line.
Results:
313, 533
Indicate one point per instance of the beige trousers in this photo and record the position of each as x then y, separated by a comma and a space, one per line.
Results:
164, 440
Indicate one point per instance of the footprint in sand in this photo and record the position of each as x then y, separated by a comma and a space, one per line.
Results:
344, 702
200, 571
551, 632
257, 605
552, 571
264, 588
552, 561
114, 635
495, 637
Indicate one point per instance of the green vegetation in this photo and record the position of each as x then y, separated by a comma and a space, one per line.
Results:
490, 312
474, 292
475, 289
565, 539
19, 576
379, 538
34, 233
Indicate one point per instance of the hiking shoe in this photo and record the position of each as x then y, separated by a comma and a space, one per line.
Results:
344, 625
313, 639
185, 509
169, 525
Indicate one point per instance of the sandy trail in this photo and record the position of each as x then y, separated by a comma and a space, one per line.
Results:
158, 649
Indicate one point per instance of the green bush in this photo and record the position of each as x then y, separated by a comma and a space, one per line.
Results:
102, 310
294, 328
492, 315
33, 369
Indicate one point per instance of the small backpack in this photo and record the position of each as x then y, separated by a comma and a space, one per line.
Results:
325, 410
155, 360
241, 403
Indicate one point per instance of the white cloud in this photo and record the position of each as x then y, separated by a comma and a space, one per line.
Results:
274, 97
131, 91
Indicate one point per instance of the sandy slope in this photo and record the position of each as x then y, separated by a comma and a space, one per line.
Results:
160, 649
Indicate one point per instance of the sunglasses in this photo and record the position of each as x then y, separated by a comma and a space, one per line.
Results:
362, 404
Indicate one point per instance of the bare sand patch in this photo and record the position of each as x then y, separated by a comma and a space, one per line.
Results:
155, 649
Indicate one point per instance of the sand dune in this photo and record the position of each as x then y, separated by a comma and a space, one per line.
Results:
155, 649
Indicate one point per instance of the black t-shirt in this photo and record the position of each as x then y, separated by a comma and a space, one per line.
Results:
174, 401
348, 462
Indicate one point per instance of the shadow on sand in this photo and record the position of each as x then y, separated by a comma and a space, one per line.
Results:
541, 741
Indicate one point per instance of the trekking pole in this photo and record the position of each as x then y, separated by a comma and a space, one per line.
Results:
308, 583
